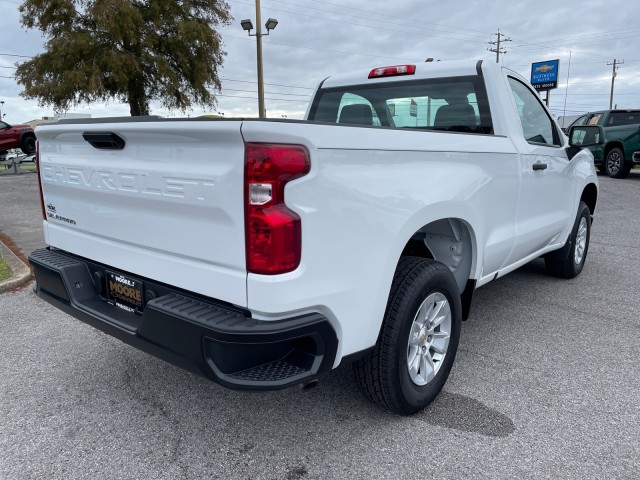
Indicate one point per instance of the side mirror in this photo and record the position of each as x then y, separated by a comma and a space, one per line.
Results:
586, 136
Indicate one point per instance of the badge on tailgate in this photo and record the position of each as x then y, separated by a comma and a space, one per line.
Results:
125, 292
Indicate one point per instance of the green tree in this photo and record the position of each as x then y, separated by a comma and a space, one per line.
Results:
133, 51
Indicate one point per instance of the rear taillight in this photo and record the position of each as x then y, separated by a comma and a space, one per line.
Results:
272, 231
37, 158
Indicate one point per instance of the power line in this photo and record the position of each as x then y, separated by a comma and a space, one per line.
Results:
270, 93
385, 21
272, 99
572, 44
272, 84
403, 32
271, 42
401, 18
579, 37
13, 55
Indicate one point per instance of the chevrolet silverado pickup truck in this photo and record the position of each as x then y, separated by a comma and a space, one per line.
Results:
261, 254
621, 148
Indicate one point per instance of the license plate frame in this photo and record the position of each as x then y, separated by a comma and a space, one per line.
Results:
125, 292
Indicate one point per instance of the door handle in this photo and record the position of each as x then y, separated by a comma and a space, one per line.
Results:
539, 166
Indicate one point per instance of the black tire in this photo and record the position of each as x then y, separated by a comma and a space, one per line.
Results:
383, 375
615, 165
28, 145
562, 263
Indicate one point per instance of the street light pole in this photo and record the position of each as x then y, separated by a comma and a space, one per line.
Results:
261, 110
1, 105
248, 26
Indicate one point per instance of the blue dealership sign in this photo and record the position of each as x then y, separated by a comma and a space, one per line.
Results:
544, 75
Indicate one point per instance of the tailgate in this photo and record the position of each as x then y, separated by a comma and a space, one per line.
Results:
168, 206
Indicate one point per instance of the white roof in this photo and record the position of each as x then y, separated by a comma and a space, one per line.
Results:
423, 70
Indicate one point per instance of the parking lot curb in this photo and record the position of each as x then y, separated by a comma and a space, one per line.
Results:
21, 272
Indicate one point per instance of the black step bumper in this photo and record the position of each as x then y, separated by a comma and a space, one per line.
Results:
202, 335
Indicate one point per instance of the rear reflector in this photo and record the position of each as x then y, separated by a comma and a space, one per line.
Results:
392, 71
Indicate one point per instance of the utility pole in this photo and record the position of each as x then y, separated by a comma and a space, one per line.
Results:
613, 77
497, 43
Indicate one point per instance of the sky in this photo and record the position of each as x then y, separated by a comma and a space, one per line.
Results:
316, 38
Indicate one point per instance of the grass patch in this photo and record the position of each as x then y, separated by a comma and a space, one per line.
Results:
29, 167
5, 271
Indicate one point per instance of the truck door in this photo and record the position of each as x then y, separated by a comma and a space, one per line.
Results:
547, 195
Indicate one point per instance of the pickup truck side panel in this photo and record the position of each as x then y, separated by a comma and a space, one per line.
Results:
360, 206
626, 136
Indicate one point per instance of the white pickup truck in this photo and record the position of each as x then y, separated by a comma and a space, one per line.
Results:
264, 253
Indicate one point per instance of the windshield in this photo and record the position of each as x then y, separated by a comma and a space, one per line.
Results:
457, 104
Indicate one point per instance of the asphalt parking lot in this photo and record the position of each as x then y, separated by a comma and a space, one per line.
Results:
545, 385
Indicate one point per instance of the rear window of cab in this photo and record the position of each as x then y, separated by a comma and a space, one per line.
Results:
623, 118
456, 104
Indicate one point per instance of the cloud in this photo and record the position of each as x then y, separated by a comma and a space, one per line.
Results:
315, 39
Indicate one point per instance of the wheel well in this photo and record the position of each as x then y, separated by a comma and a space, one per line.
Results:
416, 247
26, 135
590, 196
609, 146
448, 241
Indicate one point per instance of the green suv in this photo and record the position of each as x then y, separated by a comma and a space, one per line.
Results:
621, 149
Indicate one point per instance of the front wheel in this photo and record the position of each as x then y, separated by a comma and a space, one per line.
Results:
614, 164
28, 145
418, 340
568, 262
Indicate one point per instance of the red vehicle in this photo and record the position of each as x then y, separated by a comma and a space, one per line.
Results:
17, 136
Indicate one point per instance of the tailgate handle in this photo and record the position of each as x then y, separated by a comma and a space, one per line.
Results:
104, 140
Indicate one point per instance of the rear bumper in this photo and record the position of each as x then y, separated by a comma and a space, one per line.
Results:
207, 337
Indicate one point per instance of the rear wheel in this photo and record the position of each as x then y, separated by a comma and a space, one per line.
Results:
28, 145
568, 262
418, 339
614, 164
